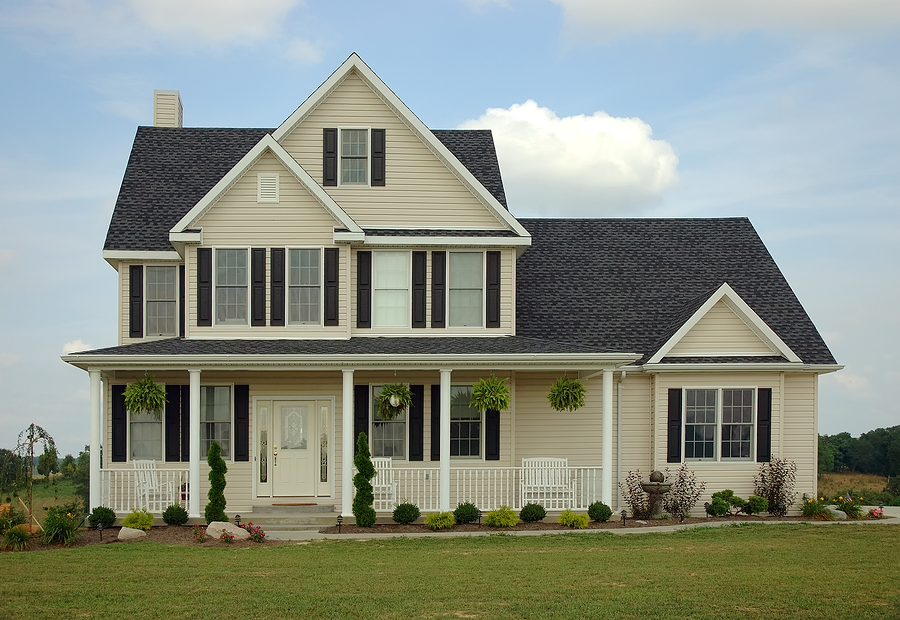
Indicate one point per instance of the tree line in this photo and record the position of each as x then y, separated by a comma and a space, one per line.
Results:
875, 452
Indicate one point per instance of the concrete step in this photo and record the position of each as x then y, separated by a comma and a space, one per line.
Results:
292, 509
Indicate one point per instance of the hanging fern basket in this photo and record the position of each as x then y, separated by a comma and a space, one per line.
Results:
145, 396
490, 394
567, 394
393, 399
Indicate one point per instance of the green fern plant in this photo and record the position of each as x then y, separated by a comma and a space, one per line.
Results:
567, 394
145, 395
490, 394
390, 394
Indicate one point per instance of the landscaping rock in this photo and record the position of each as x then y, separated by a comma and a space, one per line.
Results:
840, 515
128, 533
215, 528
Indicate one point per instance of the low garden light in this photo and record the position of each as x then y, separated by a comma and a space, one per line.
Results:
100, 529
479, 517
681, 518
624, 513
340, 521
237, 520
706, 507
881, 506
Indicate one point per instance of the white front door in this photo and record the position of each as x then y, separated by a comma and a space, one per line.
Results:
294, 448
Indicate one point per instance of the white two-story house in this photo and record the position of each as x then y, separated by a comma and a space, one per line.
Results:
274, 279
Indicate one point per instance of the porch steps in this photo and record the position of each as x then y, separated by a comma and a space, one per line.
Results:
296, 518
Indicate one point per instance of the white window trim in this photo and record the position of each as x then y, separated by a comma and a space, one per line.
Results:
471, 459
408, 324
483, 289
717, 458
215, 287
340, 170
395, 459
146, 301
230, 386
287, 295
259, 183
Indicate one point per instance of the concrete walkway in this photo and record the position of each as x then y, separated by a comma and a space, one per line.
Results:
889, 511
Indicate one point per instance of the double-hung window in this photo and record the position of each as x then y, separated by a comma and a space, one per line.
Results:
466, 280
465, 423
388, 436
391, 295
146, 436
162, 301
720, 417
231, 287
215, 419
354, 156
305, 287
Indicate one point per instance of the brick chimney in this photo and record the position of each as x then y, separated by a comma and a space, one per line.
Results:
167, 108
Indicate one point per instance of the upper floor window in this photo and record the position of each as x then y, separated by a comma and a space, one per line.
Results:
231, 287
391, 289
354, 156
215, 419
466, 279
162, 301
718, 416
304, 287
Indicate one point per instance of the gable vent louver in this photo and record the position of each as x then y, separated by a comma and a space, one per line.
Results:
267, 188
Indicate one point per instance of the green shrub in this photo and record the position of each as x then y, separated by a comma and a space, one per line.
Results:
775, 482
733, 501
502, 517
440, 520
815, 509
598, 511
756, 505
215, 509
16, 539
718, 507
466, 512
852, 507
61, 525
175, 515
138, 519
406, 513
365, 495
101, 515
893, 486
531, 513
574, 520
11, 517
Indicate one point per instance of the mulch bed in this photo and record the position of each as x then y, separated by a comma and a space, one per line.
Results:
166, 534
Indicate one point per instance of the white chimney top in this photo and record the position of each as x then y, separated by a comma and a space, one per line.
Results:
167, 108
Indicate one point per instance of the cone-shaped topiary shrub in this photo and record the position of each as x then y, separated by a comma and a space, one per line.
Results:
215, 509
365, 471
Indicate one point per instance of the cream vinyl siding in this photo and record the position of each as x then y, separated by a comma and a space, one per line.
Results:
801, 441
636, 427
507, 297
420, 189
720, 332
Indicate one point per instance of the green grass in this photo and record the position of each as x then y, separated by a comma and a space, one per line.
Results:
782, 571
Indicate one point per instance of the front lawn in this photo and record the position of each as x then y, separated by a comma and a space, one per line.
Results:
776, 571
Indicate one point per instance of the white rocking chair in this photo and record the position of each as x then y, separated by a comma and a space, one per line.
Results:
153, 495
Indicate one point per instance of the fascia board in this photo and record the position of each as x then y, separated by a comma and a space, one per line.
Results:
355, 63
267, 142
192, 236
743, 311
380, 240
141, 255
741, 367
349, 237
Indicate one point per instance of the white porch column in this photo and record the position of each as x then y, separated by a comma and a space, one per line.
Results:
445, 441
96, 414
347, 443
606, 448
194, 501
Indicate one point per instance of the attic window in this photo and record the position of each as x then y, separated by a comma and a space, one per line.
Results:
267, 188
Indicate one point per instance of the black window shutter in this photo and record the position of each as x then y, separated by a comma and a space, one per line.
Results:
329, 163
119, 425
136, 301
185, 423
364, 289
764, 425
242, 423
492, 435
181, 300
674, 427
378, 157
332, 256
173, 422
438, 288
492, 297
276, 288
258, 286
417, 423
418, 294
435, 422
360, 412
204, 287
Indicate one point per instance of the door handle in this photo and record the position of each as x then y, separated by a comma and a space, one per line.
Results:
275, 454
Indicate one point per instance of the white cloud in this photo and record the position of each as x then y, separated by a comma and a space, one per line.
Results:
854, 383
7, 256
8, 359
577, 165
75, 346
213, 20
303, 52
603, 20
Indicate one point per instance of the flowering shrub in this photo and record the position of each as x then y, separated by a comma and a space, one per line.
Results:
876, 513
199, 534
816, 509
852, 507
256, 533
61, 525
227, 537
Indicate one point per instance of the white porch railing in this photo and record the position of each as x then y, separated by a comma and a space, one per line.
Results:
119, 490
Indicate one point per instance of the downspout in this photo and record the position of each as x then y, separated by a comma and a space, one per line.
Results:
619, 440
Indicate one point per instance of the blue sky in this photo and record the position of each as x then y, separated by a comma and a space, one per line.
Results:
784, 112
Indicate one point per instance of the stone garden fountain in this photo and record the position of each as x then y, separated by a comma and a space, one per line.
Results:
655, 489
